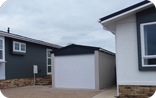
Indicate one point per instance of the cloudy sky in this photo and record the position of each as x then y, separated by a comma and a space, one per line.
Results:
62, 22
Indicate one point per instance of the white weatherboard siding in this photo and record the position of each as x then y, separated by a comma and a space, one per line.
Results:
127, 55
75, 71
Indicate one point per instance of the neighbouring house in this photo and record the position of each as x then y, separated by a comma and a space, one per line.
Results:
78, 66
18, 54
135, 34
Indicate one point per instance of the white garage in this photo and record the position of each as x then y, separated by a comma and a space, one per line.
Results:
77, 66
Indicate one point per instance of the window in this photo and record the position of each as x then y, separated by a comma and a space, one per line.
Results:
23, 47
148, 44
19, 47
1, 49
49, 61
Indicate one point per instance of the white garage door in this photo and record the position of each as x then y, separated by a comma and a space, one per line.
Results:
76, 71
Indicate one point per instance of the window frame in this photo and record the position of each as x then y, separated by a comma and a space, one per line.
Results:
20, 50
143, 45
3, 49
47, 57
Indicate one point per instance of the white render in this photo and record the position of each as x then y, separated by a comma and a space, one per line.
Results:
127, 55
75, 71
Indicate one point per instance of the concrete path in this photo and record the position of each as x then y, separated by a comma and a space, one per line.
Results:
48, 92
110, 93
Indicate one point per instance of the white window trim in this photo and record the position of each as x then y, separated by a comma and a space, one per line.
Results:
3, 49
143, 45
19, 47
49, 73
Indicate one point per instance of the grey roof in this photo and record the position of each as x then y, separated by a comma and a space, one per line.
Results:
6, 34
68, 52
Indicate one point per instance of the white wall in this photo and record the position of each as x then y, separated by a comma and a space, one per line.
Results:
2, 71
127, 55
75, 71
106, 63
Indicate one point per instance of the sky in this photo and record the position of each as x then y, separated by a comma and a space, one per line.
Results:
62, 22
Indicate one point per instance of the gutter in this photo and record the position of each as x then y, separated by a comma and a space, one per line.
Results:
105, 28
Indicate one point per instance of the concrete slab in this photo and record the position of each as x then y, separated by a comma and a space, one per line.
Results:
110, 93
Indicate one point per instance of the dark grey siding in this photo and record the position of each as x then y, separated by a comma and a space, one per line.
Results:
148, 15
21, 66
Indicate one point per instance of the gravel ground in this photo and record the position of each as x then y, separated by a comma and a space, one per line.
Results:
48, 92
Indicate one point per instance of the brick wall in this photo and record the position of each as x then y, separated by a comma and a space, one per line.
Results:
129, 91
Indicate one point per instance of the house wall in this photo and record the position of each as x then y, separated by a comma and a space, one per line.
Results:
127, 55
106, 63
129, 79
21, 66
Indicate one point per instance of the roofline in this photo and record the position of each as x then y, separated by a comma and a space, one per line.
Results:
96, 48
106, 51
6, 34
85, 46
125, 11
73, 45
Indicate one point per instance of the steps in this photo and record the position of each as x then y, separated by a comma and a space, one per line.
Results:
45, 81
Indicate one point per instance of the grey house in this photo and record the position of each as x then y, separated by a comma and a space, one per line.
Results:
18, 54
78, 66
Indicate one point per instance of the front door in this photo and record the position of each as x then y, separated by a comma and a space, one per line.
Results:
49, 61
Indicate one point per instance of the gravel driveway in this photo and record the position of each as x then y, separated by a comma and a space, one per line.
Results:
48, 92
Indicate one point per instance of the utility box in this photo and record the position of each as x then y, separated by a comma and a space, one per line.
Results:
35, 69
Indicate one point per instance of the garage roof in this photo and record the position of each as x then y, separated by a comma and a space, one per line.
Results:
74, 49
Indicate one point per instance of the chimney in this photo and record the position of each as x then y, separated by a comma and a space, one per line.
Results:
8, 30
